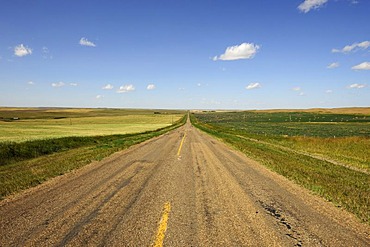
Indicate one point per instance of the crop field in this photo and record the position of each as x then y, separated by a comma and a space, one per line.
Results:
39, 144
292, 123
19, 125
327, 153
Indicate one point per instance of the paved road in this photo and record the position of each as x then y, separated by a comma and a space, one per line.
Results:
181, 189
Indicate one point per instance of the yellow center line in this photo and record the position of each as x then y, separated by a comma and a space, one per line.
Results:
182, 142
162, 226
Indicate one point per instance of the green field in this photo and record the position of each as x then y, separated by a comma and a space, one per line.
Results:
39, 144
327, 153
19, 125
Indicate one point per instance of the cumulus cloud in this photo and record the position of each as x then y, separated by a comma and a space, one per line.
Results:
362, 66
99, 96
86, 42
296, 89
108, 87
333, 65
329, 91
21, 50
150, 87
126, 88
30, 83
354, 47
356, 85
253, 85
73, 84
307, 5
58, 84
242, 51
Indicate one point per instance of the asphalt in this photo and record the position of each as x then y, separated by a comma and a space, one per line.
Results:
184, 188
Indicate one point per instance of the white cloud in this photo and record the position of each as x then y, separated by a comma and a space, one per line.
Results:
328, 91
150, 87
354, 47
356, 85
199, 84
243, 51
362, 66
58, 84
85, 42
364, 44
46, 53
99, 96
62, 84
298, 89
30, 83
253, 85
108, 87
21, 50
126, 88
307, 5
333, 65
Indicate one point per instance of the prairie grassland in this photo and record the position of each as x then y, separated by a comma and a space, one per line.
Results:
274, 139
353, 151
26, 129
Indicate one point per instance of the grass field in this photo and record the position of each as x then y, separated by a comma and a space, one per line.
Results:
40, 144
327, 153
19, 125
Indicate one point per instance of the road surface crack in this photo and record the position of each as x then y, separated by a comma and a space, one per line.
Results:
271, 210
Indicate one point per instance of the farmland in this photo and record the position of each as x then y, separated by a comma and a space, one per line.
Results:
27, 124
40, 144
327, 153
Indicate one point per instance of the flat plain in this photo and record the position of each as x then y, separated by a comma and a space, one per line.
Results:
183, 188
220, 179
24, 124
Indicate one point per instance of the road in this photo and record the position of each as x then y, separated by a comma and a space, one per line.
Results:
184, 188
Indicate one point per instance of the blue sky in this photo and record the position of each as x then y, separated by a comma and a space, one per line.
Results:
185, 54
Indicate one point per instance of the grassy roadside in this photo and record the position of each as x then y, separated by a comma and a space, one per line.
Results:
64, 156
353, 151
342, 186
